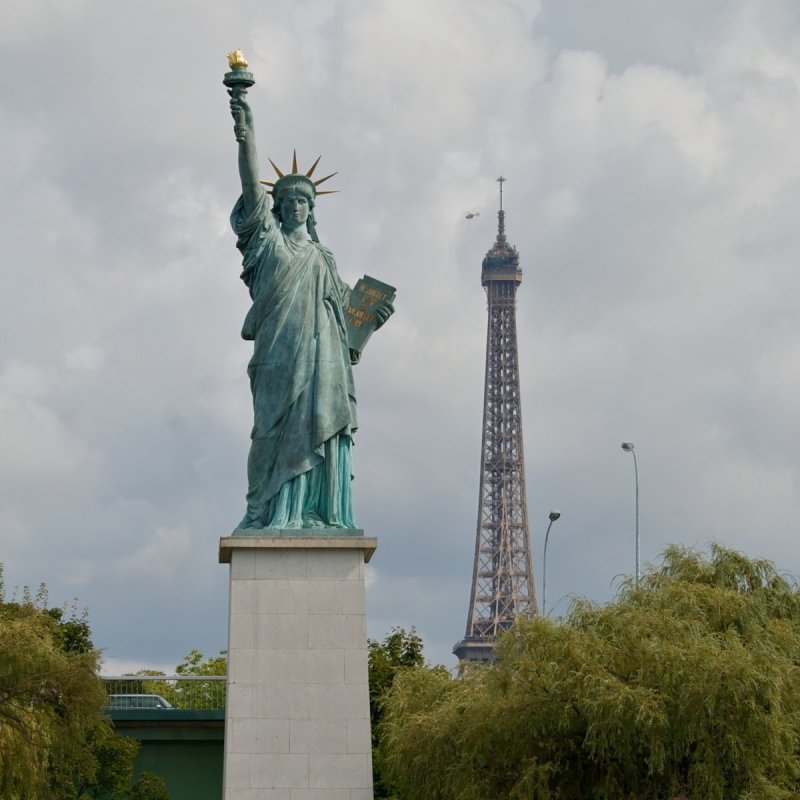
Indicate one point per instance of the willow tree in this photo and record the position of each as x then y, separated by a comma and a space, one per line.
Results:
55, 741
687, 684
399, 652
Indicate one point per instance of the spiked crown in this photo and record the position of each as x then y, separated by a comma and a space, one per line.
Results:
296, 180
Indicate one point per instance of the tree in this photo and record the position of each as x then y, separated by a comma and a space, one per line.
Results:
203, 694
195, 663
687, 684
55, 741
147, 787
401, 650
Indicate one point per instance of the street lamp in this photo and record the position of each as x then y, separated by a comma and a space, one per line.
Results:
554, 515
628, 448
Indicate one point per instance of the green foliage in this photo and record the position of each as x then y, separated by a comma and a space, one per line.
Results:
399, 652
688, 684
147, 787
194, 663
74, 631
201, 694
49, 699
115, 755
55, 742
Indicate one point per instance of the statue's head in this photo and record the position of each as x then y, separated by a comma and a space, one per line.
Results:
300, 184
291, 185
295, 181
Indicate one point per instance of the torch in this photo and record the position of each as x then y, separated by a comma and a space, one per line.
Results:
238, 81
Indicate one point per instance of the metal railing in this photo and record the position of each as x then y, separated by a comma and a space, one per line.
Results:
189, 692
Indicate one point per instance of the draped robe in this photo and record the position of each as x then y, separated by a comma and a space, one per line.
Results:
299, 467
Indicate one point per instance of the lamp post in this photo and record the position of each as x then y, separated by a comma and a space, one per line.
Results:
554, 515
628, 448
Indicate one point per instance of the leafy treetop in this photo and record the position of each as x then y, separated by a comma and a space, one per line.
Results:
688, 684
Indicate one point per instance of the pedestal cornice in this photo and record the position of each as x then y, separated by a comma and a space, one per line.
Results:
290, 540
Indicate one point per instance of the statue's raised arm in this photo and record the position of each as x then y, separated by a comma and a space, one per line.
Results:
248, 157
238, 81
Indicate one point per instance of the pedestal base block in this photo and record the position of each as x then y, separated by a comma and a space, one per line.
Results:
297, 714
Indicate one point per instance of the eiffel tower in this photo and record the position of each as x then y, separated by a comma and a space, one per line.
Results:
502, 578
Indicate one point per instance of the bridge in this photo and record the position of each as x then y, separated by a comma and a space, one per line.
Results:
179, 722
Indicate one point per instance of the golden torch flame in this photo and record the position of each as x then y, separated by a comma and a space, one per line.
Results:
236, 60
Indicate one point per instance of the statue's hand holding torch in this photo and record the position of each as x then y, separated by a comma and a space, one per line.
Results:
238, 81
242, 116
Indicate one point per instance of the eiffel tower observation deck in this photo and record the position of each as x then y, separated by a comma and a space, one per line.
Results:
502, 579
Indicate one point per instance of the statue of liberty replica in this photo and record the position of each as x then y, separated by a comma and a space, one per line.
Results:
297, 717
308, 327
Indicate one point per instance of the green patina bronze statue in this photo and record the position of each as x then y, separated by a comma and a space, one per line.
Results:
299, 467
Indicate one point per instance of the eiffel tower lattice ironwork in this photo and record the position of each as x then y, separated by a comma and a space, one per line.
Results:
502, 580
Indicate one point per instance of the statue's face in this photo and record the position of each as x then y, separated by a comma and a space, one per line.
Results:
294, 210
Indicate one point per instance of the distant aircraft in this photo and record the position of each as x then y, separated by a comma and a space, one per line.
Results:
471, 214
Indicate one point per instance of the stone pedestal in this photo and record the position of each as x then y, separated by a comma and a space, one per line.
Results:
297, 714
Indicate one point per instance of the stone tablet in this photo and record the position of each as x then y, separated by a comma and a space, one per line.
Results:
367, 295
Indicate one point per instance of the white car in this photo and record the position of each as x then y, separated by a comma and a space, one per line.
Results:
117, 702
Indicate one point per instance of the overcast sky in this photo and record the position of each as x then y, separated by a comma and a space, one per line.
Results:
651, 151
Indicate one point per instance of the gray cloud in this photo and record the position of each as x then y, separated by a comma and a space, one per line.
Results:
652, 177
